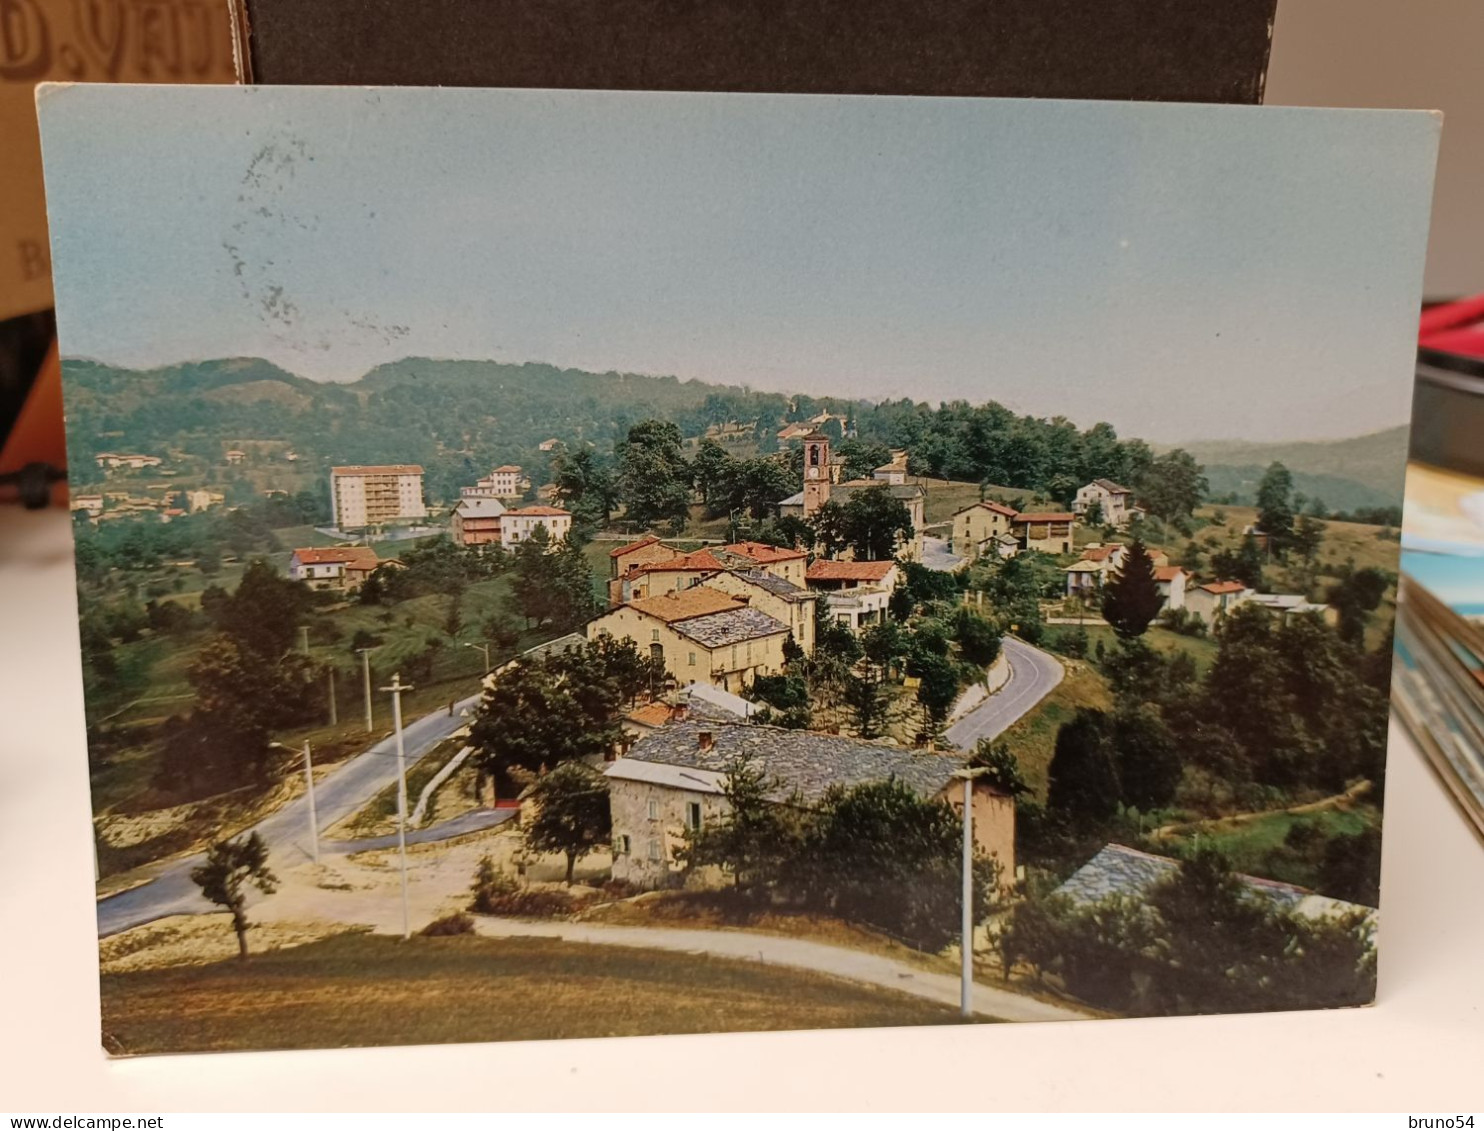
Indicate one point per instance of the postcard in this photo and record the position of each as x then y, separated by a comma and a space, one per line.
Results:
697, 563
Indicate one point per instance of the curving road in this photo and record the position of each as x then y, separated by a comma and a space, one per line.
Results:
339, 794
1033, 675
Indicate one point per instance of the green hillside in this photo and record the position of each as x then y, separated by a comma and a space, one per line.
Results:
1358, 472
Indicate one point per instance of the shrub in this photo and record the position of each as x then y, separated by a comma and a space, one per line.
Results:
1183, 621
457, 923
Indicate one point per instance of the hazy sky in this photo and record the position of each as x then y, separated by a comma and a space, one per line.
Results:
1183, 272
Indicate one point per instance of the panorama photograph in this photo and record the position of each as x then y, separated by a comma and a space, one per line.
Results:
716, 562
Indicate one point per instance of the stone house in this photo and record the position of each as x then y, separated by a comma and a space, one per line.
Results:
667, 575
1049, 532
976, 530
700, 634
780, 599
1116, 502
646, 549
780, 561
672, 781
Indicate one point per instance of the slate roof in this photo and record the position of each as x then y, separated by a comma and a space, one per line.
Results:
793, 500
480, 506
713, 702
1119, 870
801, 761
778, 586
731, 626
558, 646
1111, 487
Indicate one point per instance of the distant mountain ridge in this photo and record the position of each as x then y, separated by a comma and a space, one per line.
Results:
458, 417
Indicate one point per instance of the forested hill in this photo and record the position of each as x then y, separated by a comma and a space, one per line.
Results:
460, 418
1363, 471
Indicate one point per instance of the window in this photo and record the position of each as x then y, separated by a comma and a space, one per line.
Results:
621, 845
654, 849
654, 810
654, 634
693, 815
692, 659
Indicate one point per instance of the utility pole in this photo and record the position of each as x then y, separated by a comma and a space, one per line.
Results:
396, 690
304, 638
366, 683
966, 940
334, 715
309, 793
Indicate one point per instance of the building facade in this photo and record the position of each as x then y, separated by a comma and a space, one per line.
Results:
976, 529
1050, 533
476, 521
517, 526
1115, 502
379, 495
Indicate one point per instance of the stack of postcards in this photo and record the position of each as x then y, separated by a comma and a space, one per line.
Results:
1438, 682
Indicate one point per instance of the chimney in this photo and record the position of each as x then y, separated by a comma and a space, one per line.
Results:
705, 740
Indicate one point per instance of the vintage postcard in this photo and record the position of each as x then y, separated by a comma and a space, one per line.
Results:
724, 562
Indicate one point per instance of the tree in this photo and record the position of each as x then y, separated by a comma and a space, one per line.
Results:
1001, 767
1148, 758
1245, 565
1173, 485
978, 639
711, 467
937, 689
1131, 598
1308, 536
1275, 507
223, 879
755, 841
1356, 597
653, 478
870, 524
572, 813
1082, 780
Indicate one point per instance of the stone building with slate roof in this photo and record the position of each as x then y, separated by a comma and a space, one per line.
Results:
1120, 871
782, 600
700, 634
673, 779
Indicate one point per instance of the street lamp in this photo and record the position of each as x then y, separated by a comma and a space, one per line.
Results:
309, 794
485, 648
966, 944
396, 689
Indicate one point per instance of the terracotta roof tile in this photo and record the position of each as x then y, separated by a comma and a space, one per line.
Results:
697, 602
762, 553
827, 569
647, 540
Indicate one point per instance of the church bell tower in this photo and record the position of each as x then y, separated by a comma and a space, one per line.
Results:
816, 471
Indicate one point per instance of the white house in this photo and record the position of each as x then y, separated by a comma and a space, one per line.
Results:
858, 594
1215, 599
1117, 502
331, 567
517, 526
1171, 581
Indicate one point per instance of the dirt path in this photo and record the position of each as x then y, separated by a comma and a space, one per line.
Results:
1341, 801
840, 962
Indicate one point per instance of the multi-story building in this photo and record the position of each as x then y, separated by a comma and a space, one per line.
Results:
376, 495
782, 600
1115, 503
857, 594
1049, 532
981, 529
700, 634
476, 521
517, 526
780, 561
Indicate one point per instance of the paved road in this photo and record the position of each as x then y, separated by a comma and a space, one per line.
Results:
1033, 675
838, 961
339, 794
935, 554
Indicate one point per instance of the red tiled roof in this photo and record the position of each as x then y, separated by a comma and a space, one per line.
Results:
314, 555
506, 469
647, 540
1059, 516
997, 508
1099, 553
538, 512
763, 553
688, 603
1167, 573
827, 569
651, 715
681, 563
1223, 587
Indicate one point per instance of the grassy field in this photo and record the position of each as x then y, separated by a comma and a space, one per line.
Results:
1250, 845
357, 989
1201, 649
946, 497
1033, 738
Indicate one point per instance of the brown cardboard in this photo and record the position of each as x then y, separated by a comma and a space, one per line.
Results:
1162, 50
82, 41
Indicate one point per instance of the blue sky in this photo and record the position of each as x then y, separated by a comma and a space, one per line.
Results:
1184, 272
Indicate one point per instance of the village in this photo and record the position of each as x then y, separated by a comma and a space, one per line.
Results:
873, 638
